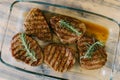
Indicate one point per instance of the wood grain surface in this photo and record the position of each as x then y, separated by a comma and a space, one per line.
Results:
110, 8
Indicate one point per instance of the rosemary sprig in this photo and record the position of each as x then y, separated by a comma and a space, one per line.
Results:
91, 49
70, 27
30, 53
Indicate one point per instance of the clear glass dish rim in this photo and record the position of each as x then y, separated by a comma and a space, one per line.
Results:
60, 6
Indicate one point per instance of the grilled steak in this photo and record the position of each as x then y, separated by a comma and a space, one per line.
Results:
67, 28
26, 49
59, 57
35, 24
91, 56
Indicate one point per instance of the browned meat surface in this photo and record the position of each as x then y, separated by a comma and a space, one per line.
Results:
98, 58
35, 24
26, 49
66, 35
59, 57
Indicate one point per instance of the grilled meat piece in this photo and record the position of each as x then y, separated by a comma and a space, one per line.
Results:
26, 49
36, 25
98, 56
59, 57
65, 34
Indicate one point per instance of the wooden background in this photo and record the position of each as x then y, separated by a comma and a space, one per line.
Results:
110, 8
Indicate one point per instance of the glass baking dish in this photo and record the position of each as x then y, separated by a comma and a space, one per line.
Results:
18, 11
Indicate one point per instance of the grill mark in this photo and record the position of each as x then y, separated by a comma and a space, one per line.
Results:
57, 60
62, 63
46, 51
52, 52
15, 45
32, 28
23, 58
68, 61
64, 32
61, 57
27, 60
17, 40
104, 55
39, 56
64, 60
29, 39
32, 44
92, 61
54, 58
66, 66
16, 55
39, 60
93, 64
34, 12
71, 63
36, 24
41, 30
66, 39
17, 49
35, 18
21, 55
46, 36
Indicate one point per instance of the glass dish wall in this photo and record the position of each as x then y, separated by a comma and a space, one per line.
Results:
15, 25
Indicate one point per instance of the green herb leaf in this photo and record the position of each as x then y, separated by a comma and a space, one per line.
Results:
91, 49
70, 27
30, 53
